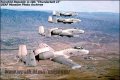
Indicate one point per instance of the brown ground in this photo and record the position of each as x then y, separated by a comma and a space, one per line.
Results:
104, 64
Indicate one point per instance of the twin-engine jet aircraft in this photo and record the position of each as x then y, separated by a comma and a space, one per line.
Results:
44, 52
60, 32
58, 13
62, 20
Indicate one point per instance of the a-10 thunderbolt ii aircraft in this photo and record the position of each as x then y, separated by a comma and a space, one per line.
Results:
62, 13
45, 52
62, 20
73, 32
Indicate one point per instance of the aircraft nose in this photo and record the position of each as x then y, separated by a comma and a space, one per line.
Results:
80, 20
82, 31
86, 51
76, 67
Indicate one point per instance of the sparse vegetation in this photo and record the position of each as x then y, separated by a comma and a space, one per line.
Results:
101, 38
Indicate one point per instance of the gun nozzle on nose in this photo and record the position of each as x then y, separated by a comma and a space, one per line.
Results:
86, 52
83, 31
76, 67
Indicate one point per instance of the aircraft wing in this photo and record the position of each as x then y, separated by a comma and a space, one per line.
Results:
62, 60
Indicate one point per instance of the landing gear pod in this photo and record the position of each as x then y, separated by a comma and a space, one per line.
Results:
66, 61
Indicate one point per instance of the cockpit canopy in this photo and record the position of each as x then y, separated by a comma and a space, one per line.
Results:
78, 47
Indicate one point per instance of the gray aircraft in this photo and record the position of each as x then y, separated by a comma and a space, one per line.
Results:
63, 20
58, 13
45, 52
73, 32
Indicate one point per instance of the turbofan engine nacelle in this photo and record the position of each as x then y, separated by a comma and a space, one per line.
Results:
45, 55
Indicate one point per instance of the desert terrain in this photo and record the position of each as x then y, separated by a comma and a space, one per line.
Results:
102, 63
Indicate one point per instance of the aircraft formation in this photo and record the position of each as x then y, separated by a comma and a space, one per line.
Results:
45, 52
